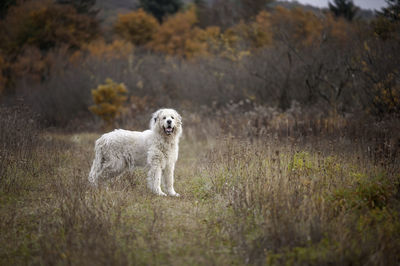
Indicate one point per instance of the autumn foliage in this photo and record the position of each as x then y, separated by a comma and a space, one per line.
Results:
178, 35
32, 29
109, 99
138, 27
45, 25
326, 50
100, 49
296, 25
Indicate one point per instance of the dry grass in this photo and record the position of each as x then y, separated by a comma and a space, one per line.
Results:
258, 200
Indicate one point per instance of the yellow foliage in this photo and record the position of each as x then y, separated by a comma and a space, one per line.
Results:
210, 36
179, 36
45, 25
101, 50
218, 43
109, 99
212, 33
137, 27
301, 26
222, 44
116, 49
262, 30
338, 30
258, 32
33, 31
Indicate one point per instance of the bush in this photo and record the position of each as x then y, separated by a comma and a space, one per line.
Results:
137, 27
109, 99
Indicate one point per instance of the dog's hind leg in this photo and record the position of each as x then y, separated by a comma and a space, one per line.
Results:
97, 166
96, 170
112, 168
105, 167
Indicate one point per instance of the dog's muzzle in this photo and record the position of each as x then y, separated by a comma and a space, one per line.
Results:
169, 130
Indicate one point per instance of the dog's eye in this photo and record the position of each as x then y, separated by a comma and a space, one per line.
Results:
172, 117
164, 117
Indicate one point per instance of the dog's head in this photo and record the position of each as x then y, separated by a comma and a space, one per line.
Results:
166, 121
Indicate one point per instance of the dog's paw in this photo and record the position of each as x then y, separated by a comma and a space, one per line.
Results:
160, 193
174, 194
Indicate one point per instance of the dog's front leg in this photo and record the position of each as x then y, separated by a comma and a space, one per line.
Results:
169, 180
154, 180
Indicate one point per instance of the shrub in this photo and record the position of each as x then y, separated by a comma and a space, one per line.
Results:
109, 99
137, 27
179, 36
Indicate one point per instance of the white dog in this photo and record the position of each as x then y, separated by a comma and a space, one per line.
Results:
121, 150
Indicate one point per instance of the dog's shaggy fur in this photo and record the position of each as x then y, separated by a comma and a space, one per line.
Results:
121, 150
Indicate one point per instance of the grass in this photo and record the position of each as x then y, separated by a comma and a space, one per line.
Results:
244, 201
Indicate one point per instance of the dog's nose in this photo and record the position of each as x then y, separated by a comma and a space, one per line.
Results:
169, 122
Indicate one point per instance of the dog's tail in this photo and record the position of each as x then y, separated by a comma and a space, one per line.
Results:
96, 168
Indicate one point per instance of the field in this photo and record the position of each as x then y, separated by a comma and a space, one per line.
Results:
290, 152
326, 193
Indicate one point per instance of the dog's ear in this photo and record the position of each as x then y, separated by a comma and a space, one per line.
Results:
154, 118
178, 117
